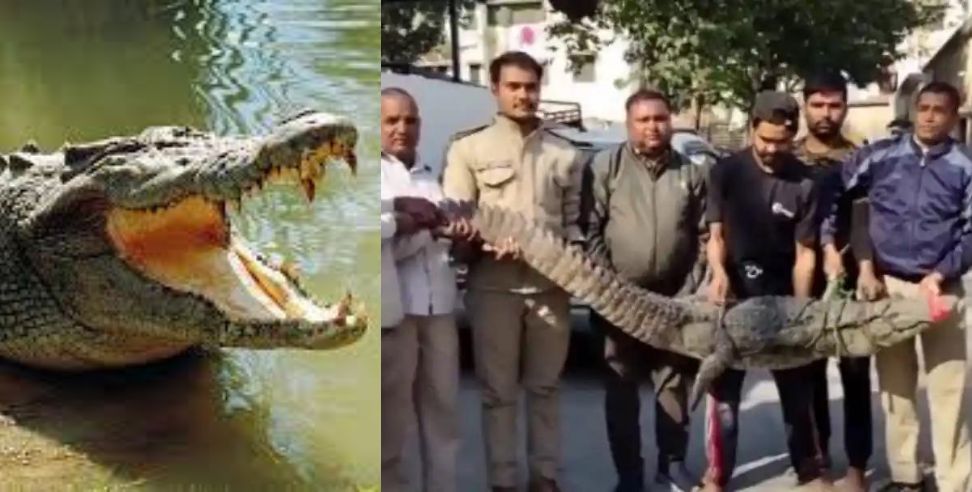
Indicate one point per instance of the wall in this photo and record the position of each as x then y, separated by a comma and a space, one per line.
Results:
867, 121
601, 99
953, 65
604, 97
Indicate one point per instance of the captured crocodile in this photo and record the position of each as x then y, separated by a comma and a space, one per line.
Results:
120, 251
763, 332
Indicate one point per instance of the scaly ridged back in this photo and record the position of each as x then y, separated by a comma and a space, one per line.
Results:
636, 311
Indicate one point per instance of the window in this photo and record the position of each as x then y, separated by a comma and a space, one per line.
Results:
527, 14
475, 73
585, 68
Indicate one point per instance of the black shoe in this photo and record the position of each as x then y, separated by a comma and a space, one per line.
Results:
903, 487
630, 482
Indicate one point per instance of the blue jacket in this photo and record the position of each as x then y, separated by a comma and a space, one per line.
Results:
920, 205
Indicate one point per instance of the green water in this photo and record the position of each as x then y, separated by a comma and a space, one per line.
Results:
242, 420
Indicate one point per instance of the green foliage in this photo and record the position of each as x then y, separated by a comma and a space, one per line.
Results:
410, 29
724, 51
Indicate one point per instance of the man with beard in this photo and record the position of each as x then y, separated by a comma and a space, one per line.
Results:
823, 149
519, 318
762, 217
647, 222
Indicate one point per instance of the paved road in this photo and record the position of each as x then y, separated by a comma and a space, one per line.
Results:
587, 467
763, 461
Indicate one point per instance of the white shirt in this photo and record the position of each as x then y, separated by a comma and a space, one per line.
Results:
391, 299
426, 280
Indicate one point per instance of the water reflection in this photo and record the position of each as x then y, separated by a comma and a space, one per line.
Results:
76, 70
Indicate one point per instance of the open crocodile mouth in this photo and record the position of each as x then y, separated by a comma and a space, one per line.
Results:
189, 245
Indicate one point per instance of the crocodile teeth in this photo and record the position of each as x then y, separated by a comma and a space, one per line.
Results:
292, 175
306, 169
352, 159
308, 186
289, 270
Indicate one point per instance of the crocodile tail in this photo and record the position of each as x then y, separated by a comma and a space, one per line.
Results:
636, 311
714, 364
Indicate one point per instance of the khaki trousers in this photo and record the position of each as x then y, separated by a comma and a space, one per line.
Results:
520, 339
420, 384
943, 350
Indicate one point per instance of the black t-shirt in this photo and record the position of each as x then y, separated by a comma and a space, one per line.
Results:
763, 215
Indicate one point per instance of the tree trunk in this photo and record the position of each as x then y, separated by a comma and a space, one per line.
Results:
699, 101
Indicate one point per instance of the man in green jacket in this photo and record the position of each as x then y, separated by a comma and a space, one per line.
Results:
647, 221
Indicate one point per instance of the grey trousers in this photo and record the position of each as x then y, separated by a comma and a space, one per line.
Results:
420, 385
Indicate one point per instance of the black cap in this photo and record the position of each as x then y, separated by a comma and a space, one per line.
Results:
778, 108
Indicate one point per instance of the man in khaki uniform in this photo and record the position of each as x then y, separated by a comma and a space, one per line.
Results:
520, 320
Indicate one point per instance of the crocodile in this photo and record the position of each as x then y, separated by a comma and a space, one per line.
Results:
120, 251
771, 332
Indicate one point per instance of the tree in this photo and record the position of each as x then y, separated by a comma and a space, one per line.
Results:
411, 28
725, 51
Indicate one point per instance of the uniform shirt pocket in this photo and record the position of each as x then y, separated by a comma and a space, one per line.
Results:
495, 173
493, 177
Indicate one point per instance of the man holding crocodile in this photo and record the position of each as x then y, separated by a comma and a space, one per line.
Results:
420, 355
519, 317
823, 149
762, 244
782, 332
920, 190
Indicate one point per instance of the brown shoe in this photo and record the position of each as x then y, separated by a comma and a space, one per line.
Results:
544, 485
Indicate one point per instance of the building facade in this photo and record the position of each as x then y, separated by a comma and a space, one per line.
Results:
601, 85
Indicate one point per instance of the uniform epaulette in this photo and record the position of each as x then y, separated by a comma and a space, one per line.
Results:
465, 133
550, 131
561, 139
